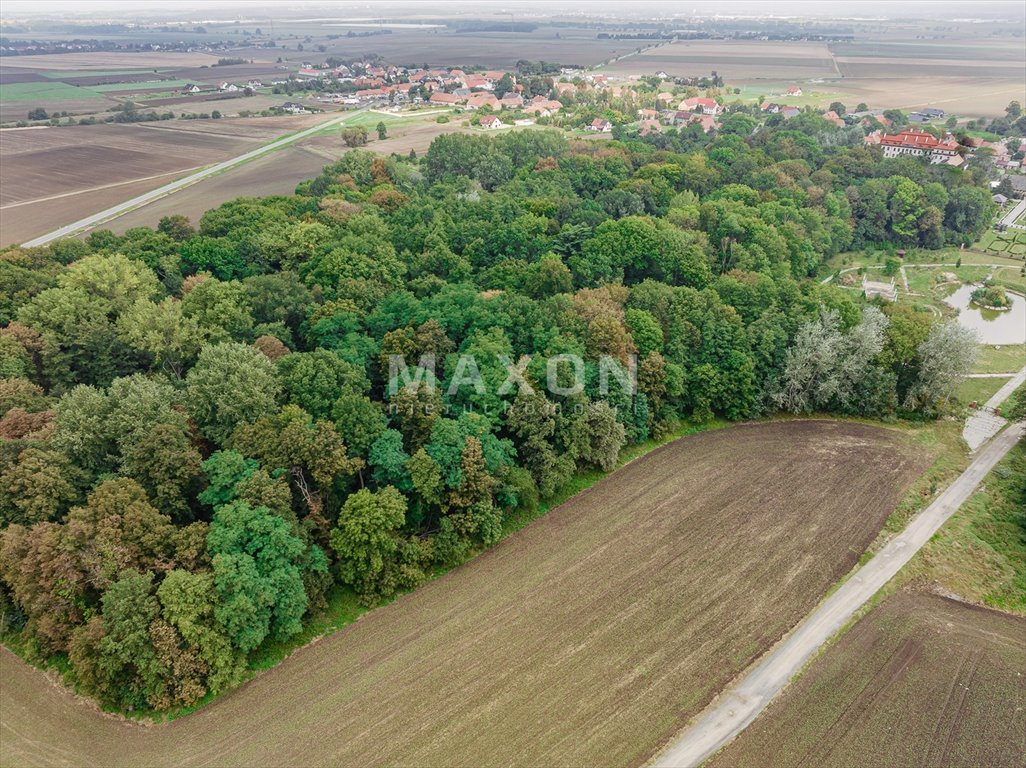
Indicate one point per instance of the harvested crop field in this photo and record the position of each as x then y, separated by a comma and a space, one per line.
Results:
589, 637
732, 59
921, 681
102, 165
277, 173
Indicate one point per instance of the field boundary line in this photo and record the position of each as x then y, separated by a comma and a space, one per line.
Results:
97, 189
168, 189
739, 705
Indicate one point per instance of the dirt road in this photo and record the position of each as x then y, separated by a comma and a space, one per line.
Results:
726, 717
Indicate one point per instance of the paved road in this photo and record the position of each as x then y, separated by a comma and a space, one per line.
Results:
174, 186
984, 423
731, 712
1012, 215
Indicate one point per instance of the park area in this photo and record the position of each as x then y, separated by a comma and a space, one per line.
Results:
591, 636
923, 680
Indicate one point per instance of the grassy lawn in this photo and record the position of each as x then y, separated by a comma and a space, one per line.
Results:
1006, 359
370, 119
1010, 277
777, 93
985, 135
978, 390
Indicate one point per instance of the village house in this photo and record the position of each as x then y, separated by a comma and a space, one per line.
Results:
706, 106
369, 94
512, 101
648, 114
794, 90
479, 100
190, 88
228, 87
544, 107
491, 122
440, 97
834, 118
647, 127
293, 108
600, 125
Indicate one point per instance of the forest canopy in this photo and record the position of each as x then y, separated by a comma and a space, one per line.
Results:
200, 440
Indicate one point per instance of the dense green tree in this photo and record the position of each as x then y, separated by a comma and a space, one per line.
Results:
257, 575
367, 537
315, 380
230, 384
35, 488
163, 331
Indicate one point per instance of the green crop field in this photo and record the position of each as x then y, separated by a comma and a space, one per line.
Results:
48, 92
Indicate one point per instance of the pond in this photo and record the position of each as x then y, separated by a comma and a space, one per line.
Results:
993, 327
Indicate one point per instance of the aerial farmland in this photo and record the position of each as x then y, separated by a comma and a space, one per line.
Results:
525, 384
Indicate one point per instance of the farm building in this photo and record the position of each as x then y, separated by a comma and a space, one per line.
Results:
439, 97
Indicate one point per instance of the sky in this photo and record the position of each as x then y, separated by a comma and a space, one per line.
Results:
122, 9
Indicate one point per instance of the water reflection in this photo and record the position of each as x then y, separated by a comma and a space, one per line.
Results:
993, 327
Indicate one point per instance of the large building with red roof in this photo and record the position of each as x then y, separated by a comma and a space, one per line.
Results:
919, 144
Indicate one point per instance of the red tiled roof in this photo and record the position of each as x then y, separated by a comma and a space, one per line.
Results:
919, 139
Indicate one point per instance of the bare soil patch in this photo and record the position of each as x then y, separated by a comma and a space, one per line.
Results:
921, 681
587, 638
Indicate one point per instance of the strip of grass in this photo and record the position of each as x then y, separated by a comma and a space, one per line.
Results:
61, 75
980, 553
138, 86
978, 390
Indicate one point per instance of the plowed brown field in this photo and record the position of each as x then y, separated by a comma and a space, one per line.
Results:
587, 638
920, 681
